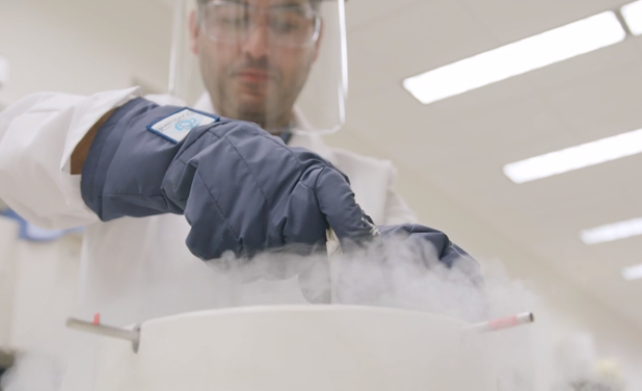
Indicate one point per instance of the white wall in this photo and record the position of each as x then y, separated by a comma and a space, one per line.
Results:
83, 47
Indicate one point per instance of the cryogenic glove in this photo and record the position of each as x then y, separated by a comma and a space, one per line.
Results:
435, 246
240, 188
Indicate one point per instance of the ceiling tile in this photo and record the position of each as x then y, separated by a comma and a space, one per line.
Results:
592, 102
459, 145
360, 13
366, 76
510, 20
422, 37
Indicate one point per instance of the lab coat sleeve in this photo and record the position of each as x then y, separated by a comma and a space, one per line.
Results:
38, 135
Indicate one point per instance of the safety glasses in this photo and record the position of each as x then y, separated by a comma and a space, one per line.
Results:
291, 24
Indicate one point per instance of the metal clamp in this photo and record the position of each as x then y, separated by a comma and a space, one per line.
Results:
107, 331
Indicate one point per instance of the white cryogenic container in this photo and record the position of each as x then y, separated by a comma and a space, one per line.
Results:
296, 348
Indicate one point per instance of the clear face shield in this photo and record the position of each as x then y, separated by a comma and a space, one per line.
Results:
279, 63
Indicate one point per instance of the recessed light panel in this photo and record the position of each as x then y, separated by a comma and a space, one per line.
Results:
632, 14
4, 70
612, 232
632, 273
517, 58
574, 158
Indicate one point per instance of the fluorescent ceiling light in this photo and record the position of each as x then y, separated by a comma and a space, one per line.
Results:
632, 273
517, 58
574, 158
4, 70
632, 14
612, 232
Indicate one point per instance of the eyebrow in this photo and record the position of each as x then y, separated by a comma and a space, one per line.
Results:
291, 3
283, 5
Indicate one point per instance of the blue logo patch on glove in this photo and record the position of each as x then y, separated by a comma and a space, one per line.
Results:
177, 126
186, 125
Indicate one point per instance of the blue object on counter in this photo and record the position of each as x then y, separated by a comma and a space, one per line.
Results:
32, 233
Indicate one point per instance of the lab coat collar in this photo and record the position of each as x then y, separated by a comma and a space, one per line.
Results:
309, 140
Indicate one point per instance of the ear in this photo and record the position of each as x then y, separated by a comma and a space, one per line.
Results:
194, 32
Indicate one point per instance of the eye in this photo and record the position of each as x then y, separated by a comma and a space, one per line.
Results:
231, 16
284, 26
287, 22
231, 20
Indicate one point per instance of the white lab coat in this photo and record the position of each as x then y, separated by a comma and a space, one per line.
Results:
134, 269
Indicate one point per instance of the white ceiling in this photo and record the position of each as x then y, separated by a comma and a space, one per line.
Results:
459, 145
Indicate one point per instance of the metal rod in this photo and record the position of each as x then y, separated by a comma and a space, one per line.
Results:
132, 336
504, 323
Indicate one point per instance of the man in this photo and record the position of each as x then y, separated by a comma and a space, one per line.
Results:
156, 185
233, 73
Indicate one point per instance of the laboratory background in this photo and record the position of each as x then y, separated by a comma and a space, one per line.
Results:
515, 126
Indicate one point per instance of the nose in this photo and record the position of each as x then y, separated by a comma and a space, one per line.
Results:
257, 43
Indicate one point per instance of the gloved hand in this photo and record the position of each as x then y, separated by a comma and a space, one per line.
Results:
240, 188
445, 251
440, 248
370, 274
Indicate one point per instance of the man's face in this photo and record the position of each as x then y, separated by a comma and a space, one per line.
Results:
255, 57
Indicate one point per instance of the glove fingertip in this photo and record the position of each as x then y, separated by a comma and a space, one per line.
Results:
338, 204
